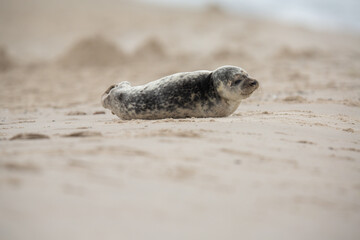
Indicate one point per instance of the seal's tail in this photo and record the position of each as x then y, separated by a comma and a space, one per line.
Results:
111, 87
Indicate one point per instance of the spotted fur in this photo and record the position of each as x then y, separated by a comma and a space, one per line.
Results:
182, 95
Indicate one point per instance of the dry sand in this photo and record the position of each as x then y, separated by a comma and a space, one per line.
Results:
285, 165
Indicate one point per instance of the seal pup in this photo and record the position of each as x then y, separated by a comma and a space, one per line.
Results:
200, 94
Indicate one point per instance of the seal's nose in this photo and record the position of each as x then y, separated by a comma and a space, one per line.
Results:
253, 82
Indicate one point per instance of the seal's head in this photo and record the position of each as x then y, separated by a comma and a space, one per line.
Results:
233, 83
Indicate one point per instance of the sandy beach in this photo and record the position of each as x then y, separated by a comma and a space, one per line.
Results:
285, 165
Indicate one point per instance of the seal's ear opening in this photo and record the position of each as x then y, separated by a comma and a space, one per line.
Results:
209, 82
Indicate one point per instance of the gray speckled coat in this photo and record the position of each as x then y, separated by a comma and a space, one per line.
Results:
181, 95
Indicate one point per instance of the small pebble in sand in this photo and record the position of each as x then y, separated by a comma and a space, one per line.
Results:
76, 113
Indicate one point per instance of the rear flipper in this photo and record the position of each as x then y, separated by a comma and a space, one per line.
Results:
111, 87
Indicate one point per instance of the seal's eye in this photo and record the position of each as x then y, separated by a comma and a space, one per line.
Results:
237, 82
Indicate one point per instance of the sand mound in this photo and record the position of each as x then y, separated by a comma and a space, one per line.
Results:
92, 52
6, 62
150, 49
214, 9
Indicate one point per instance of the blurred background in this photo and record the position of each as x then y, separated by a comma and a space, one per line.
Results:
333, 14
43, 29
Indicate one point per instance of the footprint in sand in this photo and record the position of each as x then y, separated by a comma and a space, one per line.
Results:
99, 112
83, 134
295, 99
76, 113
20, 166
29, 136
